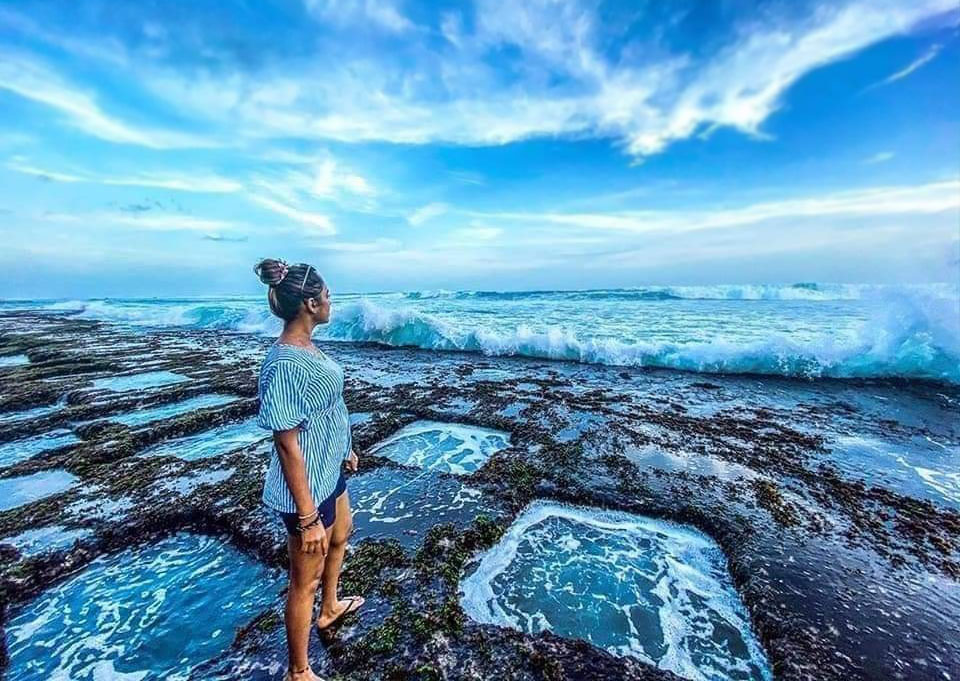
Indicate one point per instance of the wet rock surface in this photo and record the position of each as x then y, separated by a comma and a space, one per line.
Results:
841, 578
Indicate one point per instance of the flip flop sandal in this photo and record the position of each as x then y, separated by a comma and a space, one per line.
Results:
359, 600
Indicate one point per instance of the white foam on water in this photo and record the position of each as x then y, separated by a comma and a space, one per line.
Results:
449, 447
144, 381
633, 585
13, 360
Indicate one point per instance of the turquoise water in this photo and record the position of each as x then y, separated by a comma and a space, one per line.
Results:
41, 540
629, 584
13, 360
447, 447
213, 442
405, 504
151, 379
167, 411
151, 612
26, 489
21, 450
811, 330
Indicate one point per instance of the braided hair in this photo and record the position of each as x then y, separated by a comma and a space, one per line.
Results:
289, 285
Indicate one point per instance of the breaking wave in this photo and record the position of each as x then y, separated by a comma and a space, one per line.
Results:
911, 333
912, 338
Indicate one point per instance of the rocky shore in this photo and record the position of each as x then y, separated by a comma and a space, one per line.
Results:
842, 578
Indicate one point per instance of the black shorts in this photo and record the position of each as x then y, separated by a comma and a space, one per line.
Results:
327, 509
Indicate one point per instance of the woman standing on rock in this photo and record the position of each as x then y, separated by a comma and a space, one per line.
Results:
301, 401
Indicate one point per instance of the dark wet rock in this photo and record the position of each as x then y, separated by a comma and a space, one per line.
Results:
843, 580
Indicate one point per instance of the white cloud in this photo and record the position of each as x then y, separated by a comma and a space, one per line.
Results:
33, 81
879, 157
316, 223
927, 56
380, 13
153, 221
514, 71
329, 180
185, 181
930, 198
427, 213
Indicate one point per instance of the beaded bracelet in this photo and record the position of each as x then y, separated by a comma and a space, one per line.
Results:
313, 523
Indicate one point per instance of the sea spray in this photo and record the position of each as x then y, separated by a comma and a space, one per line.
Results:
807, 330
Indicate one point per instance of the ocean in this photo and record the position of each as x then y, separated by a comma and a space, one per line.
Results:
806, 330
724, 483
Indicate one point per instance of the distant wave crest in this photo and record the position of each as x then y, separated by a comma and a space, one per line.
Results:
914, 333
914, 337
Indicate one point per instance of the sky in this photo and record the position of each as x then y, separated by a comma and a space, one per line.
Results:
160, 148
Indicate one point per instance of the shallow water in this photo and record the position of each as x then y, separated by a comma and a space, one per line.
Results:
21, 450
13, 360
168, 411
26, 489
921, 467
629, 584
405, 504
36, 412
151, 612
219, 440
448, 447
45, 539
145, 381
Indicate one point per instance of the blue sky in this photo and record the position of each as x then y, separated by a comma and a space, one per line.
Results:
161, 148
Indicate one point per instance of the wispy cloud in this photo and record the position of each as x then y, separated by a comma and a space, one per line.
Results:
382, 14
565, 79
185, 181
879, 157
375, 246
31, 80
897, 200
427, 213
146, 221
316, 223
926, 57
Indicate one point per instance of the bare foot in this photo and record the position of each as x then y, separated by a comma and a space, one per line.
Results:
342, 608
306, 675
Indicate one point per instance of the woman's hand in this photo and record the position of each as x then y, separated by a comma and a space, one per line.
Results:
351, 462
314, 540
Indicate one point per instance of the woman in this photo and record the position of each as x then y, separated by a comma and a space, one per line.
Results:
301, 401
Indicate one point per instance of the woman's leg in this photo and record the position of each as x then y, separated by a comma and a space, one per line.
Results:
331, 607
305, 573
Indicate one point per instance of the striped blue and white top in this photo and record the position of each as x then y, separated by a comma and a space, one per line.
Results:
300, 387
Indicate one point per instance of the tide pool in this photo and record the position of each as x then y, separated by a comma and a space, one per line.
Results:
145, 381
405, 504
167, 411
447, 447
629, 584
26, 489
21, 450
151, 612
213, 442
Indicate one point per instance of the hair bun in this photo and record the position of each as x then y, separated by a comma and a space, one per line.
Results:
271, 272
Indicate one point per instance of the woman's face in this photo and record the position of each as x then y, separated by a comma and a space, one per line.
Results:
322, 313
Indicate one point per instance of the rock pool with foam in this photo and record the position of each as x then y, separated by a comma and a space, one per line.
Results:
629, 584
150, 612
448, 447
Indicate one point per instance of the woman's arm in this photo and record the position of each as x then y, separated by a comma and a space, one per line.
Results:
295, 472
